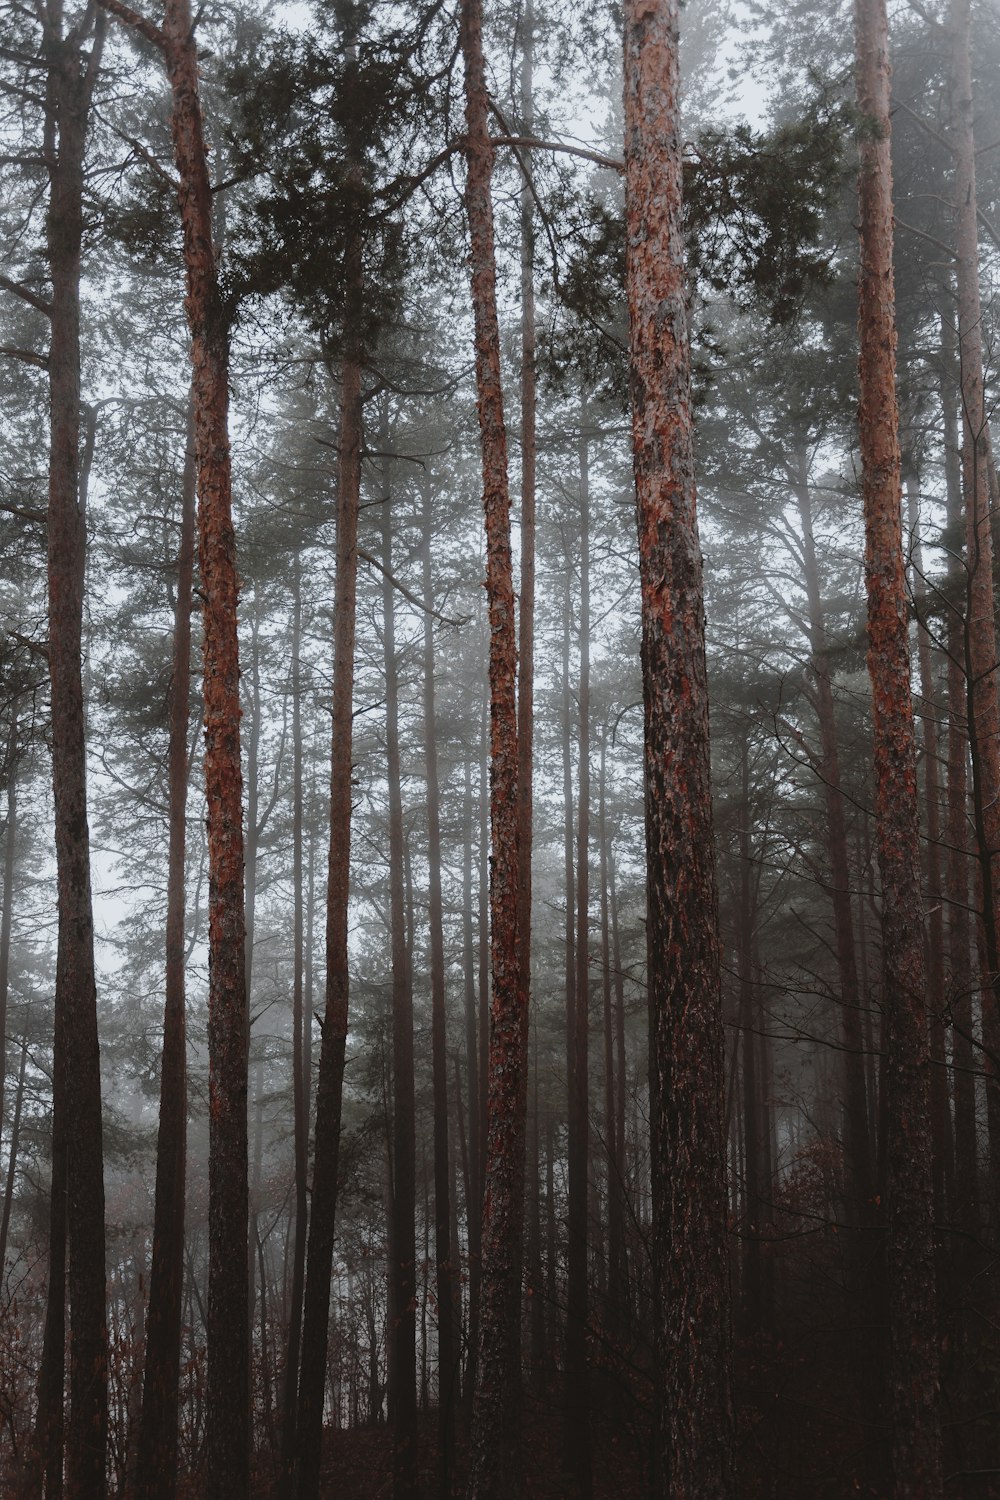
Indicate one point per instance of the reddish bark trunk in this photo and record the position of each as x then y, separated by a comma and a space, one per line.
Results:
495, 1462
914, 1374
694, 1430
228, 1384
70, 83
156, 1459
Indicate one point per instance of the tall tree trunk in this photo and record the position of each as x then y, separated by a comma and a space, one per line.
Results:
578, 1450
69, 90
620, 1075
915, 1393
526, 603
614, 1185
694, 1428
859, 1131
495, 1461
46, 1462
156, 1458
473, 1194
9, 852
446, 1285
966, 1205
401, 1335
333, 1046
943, 1155
752, 1304
228, 1433
300, 1079
981, 651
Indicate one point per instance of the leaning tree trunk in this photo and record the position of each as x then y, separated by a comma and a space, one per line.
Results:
69, 92
694, 1426
495, 1463
156, 1459
914, 1376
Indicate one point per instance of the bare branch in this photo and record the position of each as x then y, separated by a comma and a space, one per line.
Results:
412, 598
27, 355
534, 143
135, 21
16, 289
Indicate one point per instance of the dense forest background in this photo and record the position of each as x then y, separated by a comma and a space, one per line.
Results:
339, 141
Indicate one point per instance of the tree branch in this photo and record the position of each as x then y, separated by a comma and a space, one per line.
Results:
26, 295
533, 142
133, 19
27, 355
412, 598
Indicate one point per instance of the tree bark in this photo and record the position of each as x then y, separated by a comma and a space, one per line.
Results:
333, 1046
402, 1302
69, 89
981, 652
914, 1374
228, 1383
300, 1078
942, 1144
495, 1458
578, 1450
694, 1425
966, 1205
156, 1458
446, 1285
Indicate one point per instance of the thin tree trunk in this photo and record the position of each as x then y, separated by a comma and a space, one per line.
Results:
752, 1289
858, 1129
578, 1451
495, 1458
694, 1425
9, 852
69, 89
981, 652
156, 1458
620, 1076
526, 603
446, 1299
300, 1081
401, 1336
473, 1193
333, 1046
15, 1139
966, 1205
614, 1200
914, 1374
943, 1155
